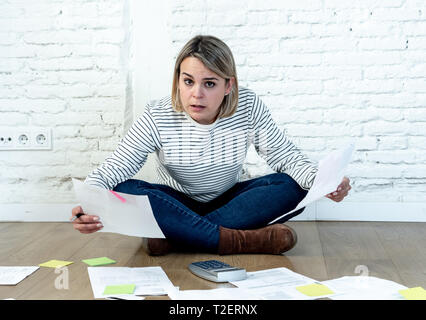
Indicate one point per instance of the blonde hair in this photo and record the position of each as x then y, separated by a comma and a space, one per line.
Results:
218, 58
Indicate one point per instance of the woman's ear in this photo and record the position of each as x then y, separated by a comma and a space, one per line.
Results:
229, 86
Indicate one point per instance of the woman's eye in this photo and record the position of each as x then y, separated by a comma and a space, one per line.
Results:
187, 81
210, 84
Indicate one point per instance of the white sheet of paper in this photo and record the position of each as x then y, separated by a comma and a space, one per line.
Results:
213, 294
364, 288
275, 284
330, 173
133, 217
148, 280
125, 297
10, 276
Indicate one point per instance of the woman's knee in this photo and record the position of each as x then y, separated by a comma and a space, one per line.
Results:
289, 184
280, 178
133, 186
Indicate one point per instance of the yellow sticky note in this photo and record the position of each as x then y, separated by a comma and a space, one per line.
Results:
314, 290
417, 293
55, 263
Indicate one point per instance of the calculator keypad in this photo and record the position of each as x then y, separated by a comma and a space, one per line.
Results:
211, 264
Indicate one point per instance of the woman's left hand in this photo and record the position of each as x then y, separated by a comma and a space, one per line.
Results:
341, 192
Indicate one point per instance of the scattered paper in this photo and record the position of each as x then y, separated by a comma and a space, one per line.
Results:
55, 264
330, 173
364, 288
316, 290
132, 217
125, 297
148, 280
14, 275
417, 293
98, 261
275, 284
119, 289
213, 294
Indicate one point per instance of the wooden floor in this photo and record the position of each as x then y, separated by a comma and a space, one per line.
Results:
325, 250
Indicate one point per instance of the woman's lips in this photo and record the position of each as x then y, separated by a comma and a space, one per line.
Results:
197, 107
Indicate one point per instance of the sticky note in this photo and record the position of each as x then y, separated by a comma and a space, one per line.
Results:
55, 263
98, 261
120, 289
417, 293
314, 290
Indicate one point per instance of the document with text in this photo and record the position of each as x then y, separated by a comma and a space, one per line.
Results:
13, 275
213, 294
147, 280
365, 288
275, 284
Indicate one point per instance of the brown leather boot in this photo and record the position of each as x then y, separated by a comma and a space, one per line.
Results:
272, 239
156, 246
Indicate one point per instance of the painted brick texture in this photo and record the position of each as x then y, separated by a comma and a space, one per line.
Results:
331, 71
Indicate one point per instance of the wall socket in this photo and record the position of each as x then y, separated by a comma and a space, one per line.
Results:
25, 138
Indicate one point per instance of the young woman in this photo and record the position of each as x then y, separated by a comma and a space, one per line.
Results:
200, 135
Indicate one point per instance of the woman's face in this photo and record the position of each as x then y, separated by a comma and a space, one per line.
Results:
201, 90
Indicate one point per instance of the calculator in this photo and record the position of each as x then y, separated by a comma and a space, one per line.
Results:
217, 271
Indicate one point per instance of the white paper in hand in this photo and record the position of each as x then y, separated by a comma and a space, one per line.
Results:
132, 217
330, 173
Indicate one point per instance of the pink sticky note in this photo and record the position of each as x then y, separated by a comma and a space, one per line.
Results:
118, 196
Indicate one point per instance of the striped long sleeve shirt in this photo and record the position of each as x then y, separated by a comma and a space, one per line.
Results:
203, 161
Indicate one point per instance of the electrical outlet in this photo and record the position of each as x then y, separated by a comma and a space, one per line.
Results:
41, 138
22, 139
25, 138
6, 140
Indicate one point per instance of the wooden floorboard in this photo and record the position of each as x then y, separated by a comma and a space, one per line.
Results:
353, 249
17, 235
325, 250
58, 242
307, 256
405, 245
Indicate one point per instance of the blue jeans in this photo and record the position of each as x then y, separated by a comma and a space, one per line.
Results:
193, 224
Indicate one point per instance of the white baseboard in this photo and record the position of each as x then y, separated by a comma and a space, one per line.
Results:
364, 211
320, 210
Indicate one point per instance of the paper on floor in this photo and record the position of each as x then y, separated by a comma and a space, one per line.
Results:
364, 288
55, 263
133, 217
125, 297
275, 284
14, 275
93, 262
416, 293
330, 173
148, 280
315, 290
213, 294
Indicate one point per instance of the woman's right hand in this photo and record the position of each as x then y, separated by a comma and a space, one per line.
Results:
85, 223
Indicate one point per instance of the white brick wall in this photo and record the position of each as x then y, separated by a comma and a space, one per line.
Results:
62, 65
330, 71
